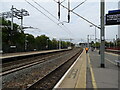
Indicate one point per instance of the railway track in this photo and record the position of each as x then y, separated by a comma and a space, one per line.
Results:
18, 56
28, 75
113, 51
49, 81
14, 66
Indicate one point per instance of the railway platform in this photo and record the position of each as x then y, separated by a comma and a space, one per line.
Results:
103, 78
75, 77
12, 55
87, 73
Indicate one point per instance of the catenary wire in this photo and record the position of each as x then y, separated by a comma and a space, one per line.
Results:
79, 5
79, 15
46, 15
51, 15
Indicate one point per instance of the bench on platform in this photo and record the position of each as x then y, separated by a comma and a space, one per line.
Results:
117, 62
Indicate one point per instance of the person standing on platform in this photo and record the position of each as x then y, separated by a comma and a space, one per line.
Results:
86, 49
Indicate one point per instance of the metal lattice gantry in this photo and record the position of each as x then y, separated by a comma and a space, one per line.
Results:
15, 13
64, 39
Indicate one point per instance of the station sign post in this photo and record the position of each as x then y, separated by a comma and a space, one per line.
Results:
102, 34
113, 17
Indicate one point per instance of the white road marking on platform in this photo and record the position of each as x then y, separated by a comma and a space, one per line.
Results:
60, 81
110, 61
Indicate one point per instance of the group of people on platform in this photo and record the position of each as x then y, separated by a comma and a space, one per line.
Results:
87, 49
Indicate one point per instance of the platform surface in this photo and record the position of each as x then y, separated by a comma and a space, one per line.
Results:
75, 77
10, 55
87, 73
108, 77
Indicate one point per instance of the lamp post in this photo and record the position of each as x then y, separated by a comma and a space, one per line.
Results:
116, 41
95, 38
88, 40
26, 42
59, 43
95, 35
47, 46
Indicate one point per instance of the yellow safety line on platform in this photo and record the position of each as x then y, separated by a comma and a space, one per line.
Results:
92, 74
110, 61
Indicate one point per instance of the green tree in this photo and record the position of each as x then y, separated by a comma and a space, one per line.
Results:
97, 45
30, 42
19, 39
64, 44
54, 43
41, 42
11, 37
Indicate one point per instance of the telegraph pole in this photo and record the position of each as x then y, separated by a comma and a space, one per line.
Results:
95, 35
119, 25
70, 42
12, 18
88, 40
116, 41
58, 9
10, 34
15, 13
118, 44
95, 38
59, 43
22, 19
102, 32
26, 42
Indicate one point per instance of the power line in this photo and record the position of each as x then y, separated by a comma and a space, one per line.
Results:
79, 16
40, 11
30, 27
45, 9
63, 1
49, 12
39, 30
67, 28
45, 15
79, 5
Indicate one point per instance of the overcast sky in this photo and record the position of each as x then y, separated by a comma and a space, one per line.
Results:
78, 29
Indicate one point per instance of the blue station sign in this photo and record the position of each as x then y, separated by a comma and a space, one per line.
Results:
114, 12
113, 17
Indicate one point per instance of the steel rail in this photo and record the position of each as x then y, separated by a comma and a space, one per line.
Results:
32, 63
32, 86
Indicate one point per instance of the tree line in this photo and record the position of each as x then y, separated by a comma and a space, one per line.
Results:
108, 44
17, 41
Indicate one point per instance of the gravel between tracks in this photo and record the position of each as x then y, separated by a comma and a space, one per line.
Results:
25, 77
18, 63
